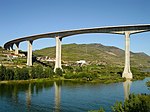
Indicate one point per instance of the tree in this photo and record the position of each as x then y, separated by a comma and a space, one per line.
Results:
59, 71
17, 74
33, 73
9, 74
48, 72
2, 72
39, 71
78, 69
24, 75
135, 103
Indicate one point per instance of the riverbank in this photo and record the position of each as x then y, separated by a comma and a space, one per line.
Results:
102, 80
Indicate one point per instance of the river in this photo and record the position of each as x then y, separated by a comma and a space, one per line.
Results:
66, 96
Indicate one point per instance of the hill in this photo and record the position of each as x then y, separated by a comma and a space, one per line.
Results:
9, 59
96, 54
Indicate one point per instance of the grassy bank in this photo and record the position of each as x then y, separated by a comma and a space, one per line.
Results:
106, 81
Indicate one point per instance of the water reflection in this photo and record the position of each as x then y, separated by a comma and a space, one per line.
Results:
28, 97
15, 94
65, 96
57, 86
126, 86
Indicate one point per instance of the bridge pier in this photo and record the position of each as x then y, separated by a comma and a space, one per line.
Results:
29, 53
127, 72
11, 48
17, 48
58, 53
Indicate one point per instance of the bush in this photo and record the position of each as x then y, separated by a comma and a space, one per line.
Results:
136, 103
17, 74
33, 73
48, 72
148, 84
24, 73
59, 71
81, 75
9, 74
2, 72
78, 69
21, 74
39, 71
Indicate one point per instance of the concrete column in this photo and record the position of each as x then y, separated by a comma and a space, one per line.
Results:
58, 53
11, 48
7, 48
17, 48
127, 73
29, 53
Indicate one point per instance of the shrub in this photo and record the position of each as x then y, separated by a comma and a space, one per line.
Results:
17, 74
2, 72
21, 74
59, 71
24, 73
48, 72
78, 69
39, 71
136, 103
33, 73
9, 74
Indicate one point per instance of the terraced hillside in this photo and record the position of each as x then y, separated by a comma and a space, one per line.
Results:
96, 54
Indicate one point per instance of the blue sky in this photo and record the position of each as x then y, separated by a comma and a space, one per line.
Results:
20, 18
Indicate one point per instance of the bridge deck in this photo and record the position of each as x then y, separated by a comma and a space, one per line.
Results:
62, 34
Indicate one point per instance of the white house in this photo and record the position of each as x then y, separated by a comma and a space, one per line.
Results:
81, 62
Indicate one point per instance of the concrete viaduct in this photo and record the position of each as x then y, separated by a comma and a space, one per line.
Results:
126, 30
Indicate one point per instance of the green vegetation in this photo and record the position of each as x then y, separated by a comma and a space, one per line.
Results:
93, 73
59, 71
138, 103
148, 84
100, 110
25, 73
135, 103
100, 73
96, 73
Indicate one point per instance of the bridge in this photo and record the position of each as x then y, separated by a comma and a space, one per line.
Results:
126, 30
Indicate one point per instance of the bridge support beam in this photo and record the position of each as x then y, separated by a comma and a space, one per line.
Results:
29, 53
127, 72
58, 53
17, 48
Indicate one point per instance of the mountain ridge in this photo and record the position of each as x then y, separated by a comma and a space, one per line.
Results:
95, 53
